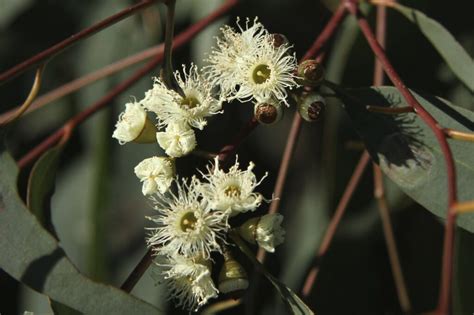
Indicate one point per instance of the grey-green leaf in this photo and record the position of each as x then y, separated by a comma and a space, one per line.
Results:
407, 151
448, 47
31, 255
41, 186
294, 303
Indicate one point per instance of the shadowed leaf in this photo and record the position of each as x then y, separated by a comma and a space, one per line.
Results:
41, 186
292, 300
407, 150
32, 256
452, 52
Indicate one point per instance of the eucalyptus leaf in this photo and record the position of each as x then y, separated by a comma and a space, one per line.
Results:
407, 150
448, 47
291, 299
41, 186
32, 256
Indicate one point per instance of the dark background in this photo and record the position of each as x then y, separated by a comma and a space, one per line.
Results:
98, 208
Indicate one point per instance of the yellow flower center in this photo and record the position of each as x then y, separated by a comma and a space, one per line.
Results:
232, 191
188, 221
190, 102
261, 74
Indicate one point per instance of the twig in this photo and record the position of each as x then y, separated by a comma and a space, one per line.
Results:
30, 98
79, 118
47, 54
137, 272
390, 110
464, 207
459, 135
167, 72
221, 306
314, 51
229, 150
283, 171
335, 220
327, 32
90, 78
379, 189
448, 247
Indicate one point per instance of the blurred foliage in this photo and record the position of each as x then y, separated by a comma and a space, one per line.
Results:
98, 207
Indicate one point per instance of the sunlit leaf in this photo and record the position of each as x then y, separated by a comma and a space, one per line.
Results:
407, 150
448, 47
32, 256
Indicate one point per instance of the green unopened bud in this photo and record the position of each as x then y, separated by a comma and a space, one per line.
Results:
310, 73
232, 277
268, 113
148, 133
248, 230
311, 107
266, 231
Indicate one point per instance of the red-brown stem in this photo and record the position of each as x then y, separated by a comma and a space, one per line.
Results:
61, 46
87, 79
137, 272
313, 52
283, 171
447, 260
379, 189
179, 41
228, 150
327, 32
336, 219
82, 116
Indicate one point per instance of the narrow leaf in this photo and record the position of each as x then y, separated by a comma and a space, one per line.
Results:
32, 256
294, 303
448, 47
41, 186
407, 150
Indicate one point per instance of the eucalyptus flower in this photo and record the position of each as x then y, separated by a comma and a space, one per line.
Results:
192, 109
156, 173
189, 280
187, 225
232, 190
177, 140
248, 66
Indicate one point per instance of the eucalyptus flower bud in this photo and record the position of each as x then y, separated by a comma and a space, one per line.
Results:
134, 125
310, 73
266, 231
268, 113
311, 107
232, 277
278, 39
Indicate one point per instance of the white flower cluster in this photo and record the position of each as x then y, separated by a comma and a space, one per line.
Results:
193, 222
193, 217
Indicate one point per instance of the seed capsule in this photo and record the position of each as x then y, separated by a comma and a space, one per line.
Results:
268, 113
311, 107
310, 73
